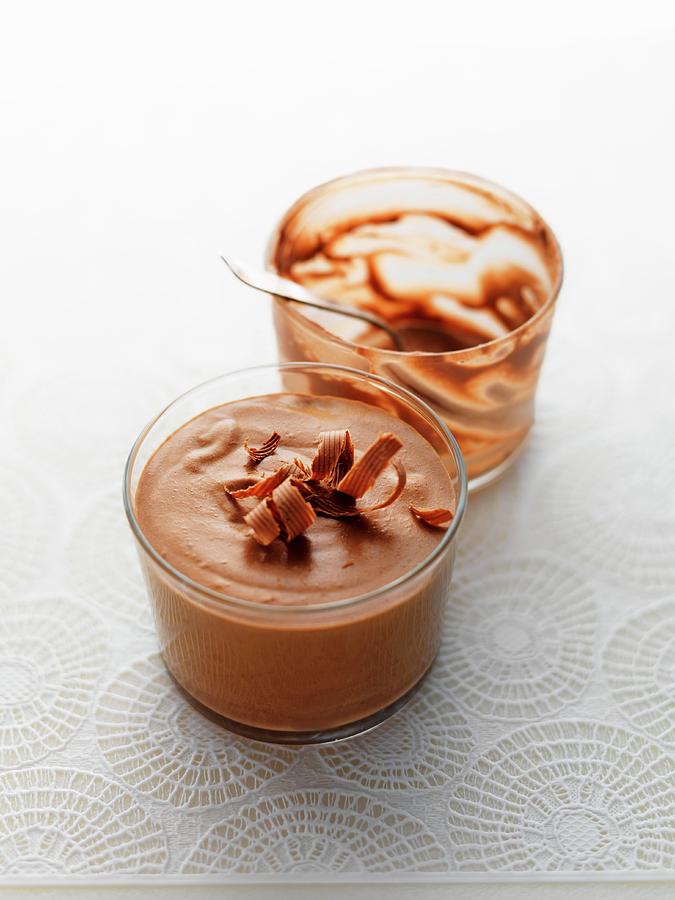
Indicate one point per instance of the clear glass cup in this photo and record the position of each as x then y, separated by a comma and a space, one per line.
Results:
484, 392
299, 674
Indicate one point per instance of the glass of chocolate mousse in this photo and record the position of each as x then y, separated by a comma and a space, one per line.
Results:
296, 529
466, 271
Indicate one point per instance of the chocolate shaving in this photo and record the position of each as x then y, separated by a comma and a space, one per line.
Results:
263, 487
239, 484
437, 518
336, 504
291, 511
257, 454
300, 469
344, 462
395, 493
263, 523
327, 501
334, 454
291, 497
365, 472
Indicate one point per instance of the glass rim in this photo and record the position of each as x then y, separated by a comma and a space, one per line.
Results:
221, 600
431, 171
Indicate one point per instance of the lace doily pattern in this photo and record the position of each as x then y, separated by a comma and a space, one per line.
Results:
566, 796
51, 654
561, 383
28, 512
613, 511
103, 564
489, 524
639, 664
423, 747
156, 742
317, 831
70, 822
518, 640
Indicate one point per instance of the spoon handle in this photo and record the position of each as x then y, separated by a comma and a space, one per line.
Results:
285, 289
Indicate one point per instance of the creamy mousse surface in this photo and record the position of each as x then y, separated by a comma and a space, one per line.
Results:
186, 514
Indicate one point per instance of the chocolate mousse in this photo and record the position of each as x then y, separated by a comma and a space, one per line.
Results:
297, 589
197, 492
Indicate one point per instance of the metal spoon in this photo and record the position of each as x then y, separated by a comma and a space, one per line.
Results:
286, 289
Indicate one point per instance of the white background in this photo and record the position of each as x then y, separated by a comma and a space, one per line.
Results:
139, 139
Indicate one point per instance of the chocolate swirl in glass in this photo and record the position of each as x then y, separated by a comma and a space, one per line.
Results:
466, 270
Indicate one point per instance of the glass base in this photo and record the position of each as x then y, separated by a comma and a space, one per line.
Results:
487, 478
330, 736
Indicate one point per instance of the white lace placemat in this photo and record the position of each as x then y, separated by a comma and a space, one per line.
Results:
543, 742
